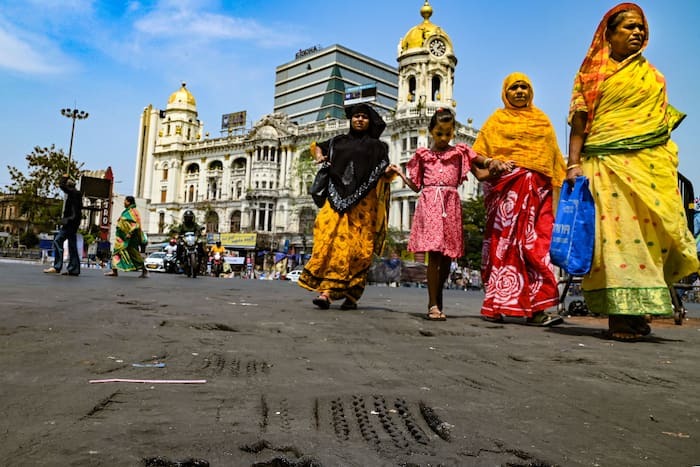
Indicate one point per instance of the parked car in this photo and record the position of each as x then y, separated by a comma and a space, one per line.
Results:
293, 275
155, 261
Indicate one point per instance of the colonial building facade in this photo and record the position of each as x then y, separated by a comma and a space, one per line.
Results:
256, 182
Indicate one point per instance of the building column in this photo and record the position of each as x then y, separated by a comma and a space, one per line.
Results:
405, 215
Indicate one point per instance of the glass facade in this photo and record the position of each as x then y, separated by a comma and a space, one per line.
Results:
312, 87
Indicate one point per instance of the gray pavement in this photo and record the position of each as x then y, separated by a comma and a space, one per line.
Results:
287, 384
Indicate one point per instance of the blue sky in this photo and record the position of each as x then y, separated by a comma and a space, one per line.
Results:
113, 58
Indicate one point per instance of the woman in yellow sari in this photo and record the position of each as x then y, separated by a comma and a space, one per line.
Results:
351, 226
620, 140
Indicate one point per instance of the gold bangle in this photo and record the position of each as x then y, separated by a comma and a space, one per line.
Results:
573, 166
487, 162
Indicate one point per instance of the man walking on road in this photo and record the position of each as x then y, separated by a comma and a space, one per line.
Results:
72, 214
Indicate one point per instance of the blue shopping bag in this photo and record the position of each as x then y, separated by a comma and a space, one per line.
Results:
574, 229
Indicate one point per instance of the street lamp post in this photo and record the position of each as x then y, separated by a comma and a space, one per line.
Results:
73, 114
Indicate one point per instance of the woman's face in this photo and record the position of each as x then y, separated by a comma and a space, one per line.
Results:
518, 94
360, 121
628, 36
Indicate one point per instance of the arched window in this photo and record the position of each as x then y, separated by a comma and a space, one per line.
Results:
212, 222
435, 90
235, 222
190, 196
192, 169
412, 88
307, 216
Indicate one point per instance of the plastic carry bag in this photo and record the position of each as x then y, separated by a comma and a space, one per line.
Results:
573, 234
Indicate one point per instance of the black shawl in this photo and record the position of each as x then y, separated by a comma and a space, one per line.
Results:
358, 160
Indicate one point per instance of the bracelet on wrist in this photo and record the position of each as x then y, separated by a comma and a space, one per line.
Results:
572, 166
487, 162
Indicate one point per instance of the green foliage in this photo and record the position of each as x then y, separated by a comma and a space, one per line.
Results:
39, 186
395, 242
29, 239
305, 166
473, 224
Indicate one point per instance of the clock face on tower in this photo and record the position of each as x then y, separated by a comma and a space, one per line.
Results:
437, 47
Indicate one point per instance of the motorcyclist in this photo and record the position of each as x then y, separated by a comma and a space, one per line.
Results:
171, 255
218, 248
171, 247
217, 268
190, 225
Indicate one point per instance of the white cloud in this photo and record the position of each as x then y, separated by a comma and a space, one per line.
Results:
22, 56
180, 20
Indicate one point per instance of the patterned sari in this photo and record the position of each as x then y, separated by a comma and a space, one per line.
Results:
345, 244
126, 254
515, 266
642, 240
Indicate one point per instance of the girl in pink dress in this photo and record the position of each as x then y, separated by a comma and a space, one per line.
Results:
437, 223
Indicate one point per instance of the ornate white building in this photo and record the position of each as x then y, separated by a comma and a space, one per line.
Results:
257, 181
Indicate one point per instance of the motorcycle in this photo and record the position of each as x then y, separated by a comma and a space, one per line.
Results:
170, 263
217, 265
190, 259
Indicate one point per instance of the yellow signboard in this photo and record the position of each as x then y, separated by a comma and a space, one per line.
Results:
239, 240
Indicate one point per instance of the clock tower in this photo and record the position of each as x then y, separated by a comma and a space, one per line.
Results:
426, 67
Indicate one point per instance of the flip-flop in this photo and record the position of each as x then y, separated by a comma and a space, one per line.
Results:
434, 314
620, 336
544, 320
322, 302
348, 305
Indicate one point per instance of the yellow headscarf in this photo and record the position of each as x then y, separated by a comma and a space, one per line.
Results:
523, 135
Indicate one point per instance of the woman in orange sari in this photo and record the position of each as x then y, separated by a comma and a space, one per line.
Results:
621, 124
515, 267
351, 226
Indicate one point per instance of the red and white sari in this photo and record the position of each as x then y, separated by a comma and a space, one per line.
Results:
516, 270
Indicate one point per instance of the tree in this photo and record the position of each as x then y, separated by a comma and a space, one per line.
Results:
306, 167
473, 223
35, 190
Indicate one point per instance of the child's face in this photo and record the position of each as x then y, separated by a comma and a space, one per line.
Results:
442, 134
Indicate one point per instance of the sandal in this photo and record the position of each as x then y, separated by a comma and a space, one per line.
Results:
348, 305
623, 329
543, 319
434, 314
322, 301
493, 319
111, 274
640, 324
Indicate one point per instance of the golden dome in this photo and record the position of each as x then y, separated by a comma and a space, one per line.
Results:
182, 95
417, 35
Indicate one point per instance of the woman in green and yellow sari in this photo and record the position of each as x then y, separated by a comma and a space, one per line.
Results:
126, 255
620, 140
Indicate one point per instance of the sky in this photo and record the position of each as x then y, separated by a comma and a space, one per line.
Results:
113, 58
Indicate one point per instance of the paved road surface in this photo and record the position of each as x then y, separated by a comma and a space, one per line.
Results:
287, 384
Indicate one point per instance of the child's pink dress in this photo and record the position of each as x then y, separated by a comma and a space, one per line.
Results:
437, 223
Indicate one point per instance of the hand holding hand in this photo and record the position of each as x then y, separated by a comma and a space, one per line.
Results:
497, 167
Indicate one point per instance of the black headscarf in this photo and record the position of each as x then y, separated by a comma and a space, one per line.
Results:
358, 160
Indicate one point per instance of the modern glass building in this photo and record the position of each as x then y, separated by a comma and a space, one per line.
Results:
312, 86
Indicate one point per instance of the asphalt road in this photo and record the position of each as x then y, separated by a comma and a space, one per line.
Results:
280, 383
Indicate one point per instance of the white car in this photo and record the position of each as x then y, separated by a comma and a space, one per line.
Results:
154, 262
293, 275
